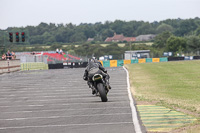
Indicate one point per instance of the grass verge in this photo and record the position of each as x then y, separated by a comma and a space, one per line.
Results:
174, 85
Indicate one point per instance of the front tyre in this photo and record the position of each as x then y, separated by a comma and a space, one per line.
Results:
102, 92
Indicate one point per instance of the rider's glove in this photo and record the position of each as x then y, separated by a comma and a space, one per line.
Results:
85, 78
105, 71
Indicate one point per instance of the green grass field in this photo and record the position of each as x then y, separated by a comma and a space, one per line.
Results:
147, 43
175, 84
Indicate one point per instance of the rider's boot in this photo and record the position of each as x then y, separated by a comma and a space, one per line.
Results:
93, 91
108, 84
92, 87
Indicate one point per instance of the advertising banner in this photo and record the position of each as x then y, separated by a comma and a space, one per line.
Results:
148, 59
113, 63
127, 61
106, 63
134, 61
156, 59
142, 60
120, 62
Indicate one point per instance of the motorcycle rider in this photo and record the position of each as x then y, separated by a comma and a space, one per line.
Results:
96, 61
93, 68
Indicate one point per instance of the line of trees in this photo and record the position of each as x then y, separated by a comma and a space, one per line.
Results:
69, 33
175, 35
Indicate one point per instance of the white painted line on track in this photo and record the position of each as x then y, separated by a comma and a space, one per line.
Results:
27, 88
58, 110
54, 117
67, 125
43, 96
134, 112
58, 104
71, 98
12, 106
56, 92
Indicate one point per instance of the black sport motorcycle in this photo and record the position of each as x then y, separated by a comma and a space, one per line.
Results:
100, 87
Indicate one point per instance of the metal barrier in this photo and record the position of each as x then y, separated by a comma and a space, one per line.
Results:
32, 58
9, 66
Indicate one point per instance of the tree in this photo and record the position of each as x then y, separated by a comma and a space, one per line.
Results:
193, 42
78, 37
164, 27
175, 23
197, 31
48, 38
69, 33
145, 28
175, 44
117, 26
107, 33
42, 27
55, 46
36, 39
187, 27
161, 39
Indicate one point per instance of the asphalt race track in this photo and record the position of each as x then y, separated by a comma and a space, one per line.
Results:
59, 101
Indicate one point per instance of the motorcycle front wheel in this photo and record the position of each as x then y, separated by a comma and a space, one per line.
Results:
102, 92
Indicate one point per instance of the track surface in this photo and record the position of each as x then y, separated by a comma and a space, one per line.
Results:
58, 101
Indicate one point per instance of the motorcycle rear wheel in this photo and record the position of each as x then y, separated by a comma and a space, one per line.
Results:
102, 92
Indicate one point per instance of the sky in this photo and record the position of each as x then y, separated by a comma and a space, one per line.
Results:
22, 13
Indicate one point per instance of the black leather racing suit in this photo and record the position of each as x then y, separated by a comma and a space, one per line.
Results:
95, 68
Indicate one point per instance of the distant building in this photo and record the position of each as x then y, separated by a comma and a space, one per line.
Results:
145, 37
131, 55
120, 38
90, 39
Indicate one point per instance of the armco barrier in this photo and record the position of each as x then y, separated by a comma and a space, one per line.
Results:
175, 58
34, 66
9, 66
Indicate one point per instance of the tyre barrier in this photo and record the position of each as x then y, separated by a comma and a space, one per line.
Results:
56, 66
196, 57
68, 65
188, 58
175, 58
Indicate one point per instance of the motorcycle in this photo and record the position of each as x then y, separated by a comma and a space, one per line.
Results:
100, 87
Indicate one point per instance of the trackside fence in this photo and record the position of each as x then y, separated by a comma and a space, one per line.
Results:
116, 63
108, 63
